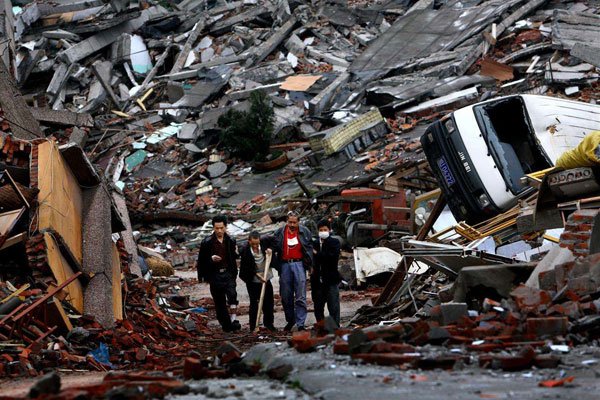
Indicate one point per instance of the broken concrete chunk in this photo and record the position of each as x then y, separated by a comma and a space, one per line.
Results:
60, 34
100, 40
189, 132
217, 169
587, 52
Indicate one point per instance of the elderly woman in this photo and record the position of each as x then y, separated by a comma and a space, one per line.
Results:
252, 269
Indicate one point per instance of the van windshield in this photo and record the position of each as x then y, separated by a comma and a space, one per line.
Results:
511, 140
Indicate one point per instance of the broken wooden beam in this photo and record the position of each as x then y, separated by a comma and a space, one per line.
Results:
320, 102
102, 70
44, 298
102, 39
223, 26
185, 51
271, 44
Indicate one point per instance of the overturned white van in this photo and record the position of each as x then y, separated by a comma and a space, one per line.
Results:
479, 153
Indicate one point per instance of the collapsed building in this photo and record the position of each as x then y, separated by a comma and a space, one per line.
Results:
119, 119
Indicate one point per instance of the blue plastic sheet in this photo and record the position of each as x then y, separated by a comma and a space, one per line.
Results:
101, 355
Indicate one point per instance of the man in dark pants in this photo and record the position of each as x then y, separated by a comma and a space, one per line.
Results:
252, 269
325, 278
217, 266
294, 252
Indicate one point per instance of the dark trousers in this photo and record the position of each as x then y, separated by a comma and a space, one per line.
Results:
326, 293
222, 290
254, 290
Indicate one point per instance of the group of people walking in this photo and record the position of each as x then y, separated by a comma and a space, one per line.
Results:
292, 252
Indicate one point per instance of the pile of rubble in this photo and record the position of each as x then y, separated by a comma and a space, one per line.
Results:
511, 316
121, 114
141, 86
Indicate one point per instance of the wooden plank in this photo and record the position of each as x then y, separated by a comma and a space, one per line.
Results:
60, 198
62, 271
15, 293
327, 184
8, 220
267, 47
52, 292
117, 296
299, 83
185, 51
60, 313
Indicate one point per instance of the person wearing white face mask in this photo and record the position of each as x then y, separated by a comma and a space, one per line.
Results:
325, 277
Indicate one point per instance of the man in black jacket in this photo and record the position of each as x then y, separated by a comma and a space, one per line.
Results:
252, 270
217, 266
325, 277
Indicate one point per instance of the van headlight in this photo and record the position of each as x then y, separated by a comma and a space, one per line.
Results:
484, 200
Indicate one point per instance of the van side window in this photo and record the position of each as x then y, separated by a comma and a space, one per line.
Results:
511, 140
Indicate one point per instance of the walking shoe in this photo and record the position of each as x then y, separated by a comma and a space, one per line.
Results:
271, 328
288, 327
236, 326
301, 328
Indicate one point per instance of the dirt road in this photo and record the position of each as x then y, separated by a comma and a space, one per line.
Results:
201, 290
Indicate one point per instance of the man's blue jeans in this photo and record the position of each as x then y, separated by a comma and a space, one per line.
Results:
292, 288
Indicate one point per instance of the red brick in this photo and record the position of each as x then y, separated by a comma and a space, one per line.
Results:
529, 298
193, 368
580, 252
298, 337
402, 348
485, 347
577, 227
569, 309
311, 344
387, 358
550, 326
341, 347
581, 285
518, 362
575, 236
546, 361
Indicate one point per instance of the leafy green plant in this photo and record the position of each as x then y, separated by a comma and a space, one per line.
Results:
248, 134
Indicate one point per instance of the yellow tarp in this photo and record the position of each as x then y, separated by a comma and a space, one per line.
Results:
584, 155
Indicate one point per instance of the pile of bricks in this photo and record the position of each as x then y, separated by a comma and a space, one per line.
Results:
578, 231
150, 336
509, 335
132, 385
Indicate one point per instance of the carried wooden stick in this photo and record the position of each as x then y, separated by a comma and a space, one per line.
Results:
262, 291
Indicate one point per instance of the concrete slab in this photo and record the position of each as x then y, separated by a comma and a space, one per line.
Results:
558, 255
